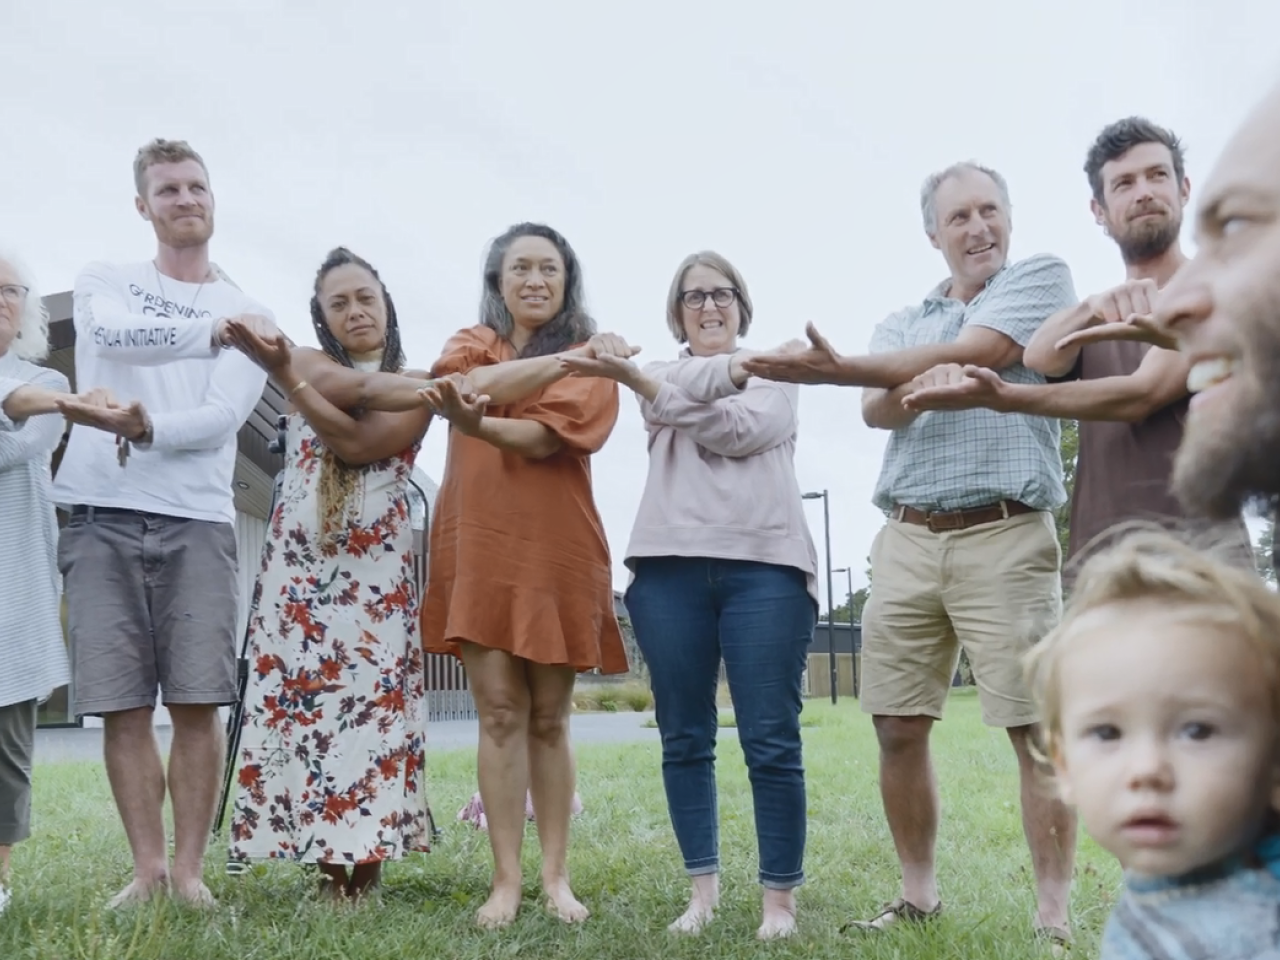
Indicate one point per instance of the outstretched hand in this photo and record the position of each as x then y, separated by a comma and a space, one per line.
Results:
449, 398
815, 362
99, 410
954, 387
1141, 328
258, 339
98, 397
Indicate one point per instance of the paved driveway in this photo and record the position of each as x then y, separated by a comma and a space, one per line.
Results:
69, 744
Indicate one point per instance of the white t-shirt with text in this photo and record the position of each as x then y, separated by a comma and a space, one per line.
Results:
149, 338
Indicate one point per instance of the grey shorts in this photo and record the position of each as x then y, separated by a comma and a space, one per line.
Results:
151, 603
17, 743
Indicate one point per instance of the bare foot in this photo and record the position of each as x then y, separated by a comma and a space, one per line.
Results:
563, 904
329, 889
695, 917
702, 905
366, 880
193, 893
140, 891
500, 909
779, 918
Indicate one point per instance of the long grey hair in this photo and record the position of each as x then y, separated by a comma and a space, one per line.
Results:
571, 325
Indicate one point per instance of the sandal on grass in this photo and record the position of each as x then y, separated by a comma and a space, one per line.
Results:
1058, 939
899, 911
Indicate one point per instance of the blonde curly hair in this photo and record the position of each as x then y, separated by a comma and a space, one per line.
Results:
1153, 564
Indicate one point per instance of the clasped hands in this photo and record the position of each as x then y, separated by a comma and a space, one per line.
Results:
604, 355
453, 398
1126, 312
609, 355
955, 386
257, 338
98, 408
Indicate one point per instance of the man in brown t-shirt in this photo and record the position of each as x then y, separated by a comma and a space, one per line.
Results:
1129, 397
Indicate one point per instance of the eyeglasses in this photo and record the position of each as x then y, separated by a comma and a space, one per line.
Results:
721, 297
14, 292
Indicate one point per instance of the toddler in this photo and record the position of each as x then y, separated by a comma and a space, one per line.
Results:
1161, 717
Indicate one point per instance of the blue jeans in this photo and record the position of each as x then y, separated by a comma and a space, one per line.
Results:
688, 613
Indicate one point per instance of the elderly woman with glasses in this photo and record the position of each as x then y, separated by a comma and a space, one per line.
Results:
723, 569
31, 641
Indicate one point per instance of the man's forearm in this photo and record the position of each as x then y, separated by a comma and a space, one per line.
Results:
884, 409
1117, 399
1042, 353
525, 437
898, 367
115, 334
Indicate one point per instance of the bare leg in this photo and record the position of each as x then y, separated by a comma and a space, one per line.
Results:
195, 775
136, 775
1050, 826
500, 688
778, 918
334, 880
551, 770
364, 877
909, 790
703, 903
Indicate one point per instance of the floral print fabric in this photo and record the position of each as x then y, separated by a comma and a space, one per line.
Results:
331, 752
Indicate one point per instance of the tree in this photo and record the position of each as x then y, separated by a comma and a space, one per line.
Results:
1070, 449
851, 610
1263, 550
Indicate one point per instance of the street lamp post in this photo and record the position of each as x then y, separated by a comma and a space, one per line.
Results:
853, 650
831, 633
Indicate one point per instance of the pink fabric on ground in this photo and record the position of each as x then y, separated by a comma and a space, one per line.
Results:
473, 811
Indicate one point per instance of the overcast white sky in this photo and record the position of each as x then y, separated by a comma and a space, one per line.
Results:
790, 137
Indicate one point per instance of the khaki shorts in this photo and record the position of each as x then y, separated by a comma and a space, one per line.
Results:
993, 589
151, 605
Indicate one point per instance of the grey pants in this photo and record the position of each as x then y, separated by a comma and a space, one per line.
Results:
17, 744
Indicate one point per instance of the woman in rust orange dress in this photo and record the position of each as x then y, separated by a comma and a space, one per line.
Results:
520, 583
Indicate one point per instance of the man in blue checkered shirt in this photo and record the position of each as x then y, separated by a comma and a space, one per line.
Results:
969, 556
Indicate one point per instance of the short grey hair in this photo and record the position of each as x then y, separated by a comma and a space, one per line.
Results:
929, 192
32, 340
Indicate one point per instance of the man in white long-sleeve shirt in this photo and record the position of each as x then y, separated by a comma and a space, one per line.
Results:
148, 553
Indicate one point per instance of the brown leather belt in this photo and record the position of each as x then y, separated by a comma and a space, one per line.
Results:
937, 521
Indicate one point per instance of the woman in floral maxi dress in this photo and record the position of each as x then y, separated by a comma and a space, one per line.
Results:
331, 752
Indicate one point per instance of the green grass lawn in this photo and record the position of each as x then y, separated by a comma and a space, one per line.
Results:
624, 863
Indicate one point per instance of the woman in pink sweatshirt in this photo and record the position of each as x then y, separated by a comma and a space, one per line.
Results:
724, 568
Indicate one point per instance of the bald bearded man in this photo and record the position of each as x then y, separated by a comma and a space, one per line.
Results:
1224, 309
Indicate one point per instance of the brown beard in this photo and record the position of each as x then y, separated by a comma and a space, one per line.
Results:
1145, 241
1223, 467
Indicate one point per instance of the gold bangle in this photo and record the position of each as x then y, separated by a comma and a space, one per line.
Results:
301, 384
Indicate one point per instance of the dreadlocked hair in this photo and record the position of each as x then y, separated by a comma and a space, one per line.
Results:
339, 481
